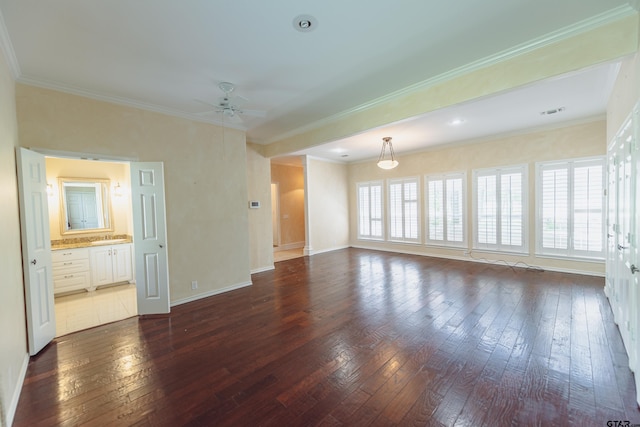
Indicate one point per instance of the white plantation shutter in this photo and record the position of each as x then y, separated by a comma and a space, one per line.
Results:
588, 208
500, 208
511, 209
570, 211
435, 210
487, 210
376, 210
445, 209
554, 195
370, 210
403, 210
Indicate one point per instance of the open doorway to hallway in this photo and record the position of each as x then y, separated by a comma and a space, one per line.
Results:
287, 204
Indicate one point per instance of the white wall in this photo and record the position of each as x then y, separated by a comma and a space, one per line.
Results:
13, 342
625, 94
260, 226
327, 209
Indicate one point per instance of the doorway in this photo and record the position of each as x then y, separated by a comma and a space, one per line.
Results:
275, 213
80, 309
287, 204
149, 231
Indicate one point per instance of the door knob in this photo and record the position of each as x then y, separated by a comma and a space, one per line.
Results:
634, 269
621, 248
161, 246
34, 262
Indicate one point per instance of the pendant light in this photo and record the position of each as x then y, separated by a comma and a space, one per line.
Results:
384, 161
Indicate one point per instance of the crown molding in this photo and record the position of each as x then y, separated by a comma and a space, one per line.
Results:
496, 136
518, 50
7, 49
127, 102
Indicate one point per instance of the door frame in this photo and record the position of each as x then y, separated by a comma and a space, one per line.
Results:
275, 213
99, 157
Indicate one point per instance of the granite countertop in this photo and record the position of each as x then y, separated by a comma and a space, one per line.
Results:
87, 242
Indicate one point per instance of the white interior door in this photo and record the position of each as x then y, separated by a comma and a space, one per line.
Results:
633, 265
622, 205
36, 249
150, 237
612, 196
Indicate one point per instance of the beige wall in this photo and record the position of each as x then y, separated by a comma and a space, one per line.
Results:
290, 180
327, 205
205, 177
582, 140
13, 345
625, 95
72, 168
260, 231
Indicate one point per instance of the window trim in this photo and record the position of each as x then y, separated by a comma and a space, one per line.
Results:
498, 247
369, 184
403, 239
569, 253
465, 232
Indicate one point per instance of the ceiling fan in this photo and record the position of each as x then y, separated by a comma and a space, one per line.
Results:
230, 106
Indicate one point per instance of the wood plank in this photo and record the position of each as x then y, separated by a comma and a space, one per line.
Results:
350, 337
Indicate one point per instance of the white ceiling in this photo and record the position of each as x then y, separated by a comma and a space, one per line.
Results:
169, 56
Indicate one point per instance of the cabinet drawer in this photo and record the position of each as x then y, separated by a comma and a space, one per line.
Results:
69, 254
70, 266
71, 282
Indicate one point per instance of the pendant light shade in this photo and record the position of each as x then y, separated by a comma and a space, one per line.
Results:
387, 161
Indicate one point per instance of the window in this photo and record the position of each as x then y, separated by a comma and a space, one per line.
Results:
446, 208
370, 210
500, 207
570, 208
403, 210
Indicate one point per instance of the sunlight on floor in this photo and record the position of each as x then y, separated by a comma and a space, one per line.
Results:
85, 310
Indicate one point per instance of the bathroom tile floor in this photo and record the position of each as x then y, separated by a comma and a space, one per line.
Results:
75, 312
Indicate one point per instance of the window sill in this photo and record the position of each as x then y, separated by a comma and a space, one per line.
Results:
572, 258
499, 252
371, 239
462, 246
405, 242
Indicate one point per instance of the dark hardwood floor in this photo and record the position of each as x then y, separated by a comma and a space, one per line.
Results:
351, 337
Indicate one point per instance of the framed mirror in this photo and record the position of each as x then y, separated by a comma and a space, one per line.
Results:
85, 205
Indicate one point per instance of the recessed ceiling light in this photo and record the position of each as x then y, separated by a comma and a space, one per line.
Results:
456, 122
305, 23
552, 111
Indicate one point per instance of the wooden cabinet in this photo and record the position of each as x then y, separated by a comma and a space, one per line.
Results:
111, 264
71, 270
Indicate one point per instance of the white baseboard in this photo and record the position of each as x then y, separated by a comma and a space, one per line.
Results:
289, 246
261, 269
209, 294
483, 261
13, 405
321, 251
